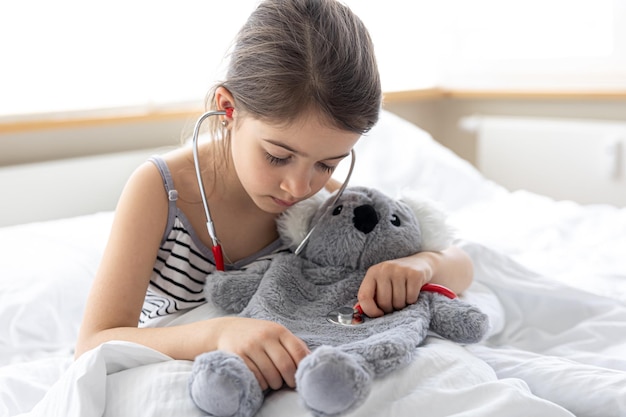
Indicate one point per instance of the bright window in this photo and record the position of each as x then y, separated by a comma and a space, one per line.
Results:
63, 55
535, 43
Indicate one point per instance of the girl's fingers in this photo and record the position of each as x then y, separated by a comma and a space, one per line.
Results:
366, 295
257, 373
399, 295
384, 295
268, 375
284, 365
412, 292
276, 362
295, 350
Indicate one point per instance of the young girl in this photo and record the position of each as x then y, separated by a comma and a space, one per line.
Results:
304, 86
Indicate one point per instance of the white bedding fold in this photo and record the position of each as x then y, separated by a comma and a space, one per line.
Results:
123, 380
585, 390
81, 390
566, 344
546, 316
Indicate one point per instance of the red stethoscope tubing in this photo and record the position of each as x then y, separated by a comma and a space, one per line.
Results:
218, 255
439, 289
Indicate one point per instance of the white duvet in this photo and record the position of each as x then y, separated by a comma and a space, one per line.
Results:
551, 275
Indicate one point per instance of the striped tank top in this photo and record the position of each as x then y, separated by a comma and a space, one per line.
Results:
183, 262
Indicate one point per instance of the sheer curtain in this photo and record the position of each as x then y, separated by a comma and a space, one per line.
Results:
63, 55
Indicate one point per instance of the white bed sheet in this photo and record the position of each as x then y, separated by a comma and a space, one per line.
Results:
580, 245
551, 275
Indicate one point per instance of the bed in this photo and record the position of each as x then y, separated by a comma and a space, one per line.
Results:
550, 274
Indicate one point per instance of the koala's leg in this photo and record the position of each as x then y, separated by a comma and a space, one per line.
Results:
457, 320
222, 385
334, 380
331, 382
391, 348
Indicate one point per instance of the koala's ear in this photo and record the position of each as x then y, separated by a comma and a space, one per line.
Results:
436, 233
293, 224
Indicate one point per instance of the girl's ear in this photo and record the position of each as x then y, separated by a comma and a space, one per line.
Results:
224, 99
294, 223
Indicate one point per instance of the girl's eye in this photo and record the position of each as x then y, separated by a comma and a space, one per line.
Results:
395, 220
326, 168
337, 210
274, 160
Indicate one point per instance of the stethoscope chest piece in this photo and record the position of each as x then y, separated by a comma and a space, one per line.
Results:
345, 316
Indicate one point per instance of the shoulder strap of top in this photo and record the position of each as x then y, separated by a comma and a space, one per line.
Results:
172, 194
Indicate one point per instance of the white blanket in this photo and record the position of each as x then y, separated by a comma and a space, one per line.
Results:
123, 379
549, 343
551, 275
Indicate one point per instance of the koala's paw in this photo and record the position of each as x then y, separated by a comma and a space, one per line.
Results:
221, 385
331, 382
460, 321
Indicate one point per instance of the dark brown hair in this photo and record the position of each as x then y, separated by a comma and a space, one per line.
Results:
292, 56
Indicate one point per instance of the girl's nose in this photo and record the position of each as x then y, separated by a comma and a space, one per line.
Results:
297, 184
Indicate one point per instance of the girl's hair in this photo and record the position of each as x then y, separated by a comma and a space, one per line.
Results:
297, 55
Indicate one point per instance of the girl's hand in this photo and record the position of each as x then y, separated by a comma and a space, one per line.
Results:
270, 350
394, 284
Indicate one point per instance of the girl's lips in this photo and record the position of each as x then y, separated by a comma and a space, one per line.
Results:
283, 202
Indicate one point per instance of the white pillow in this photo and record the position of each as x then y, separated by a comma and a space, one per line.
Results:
396, 155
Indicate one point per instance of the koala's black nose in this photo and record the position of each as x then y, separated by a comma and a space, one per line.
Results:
365, 218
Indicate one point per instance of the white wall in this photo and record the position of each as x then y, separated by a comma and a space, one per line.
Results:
585, 157
65, 187
442, 118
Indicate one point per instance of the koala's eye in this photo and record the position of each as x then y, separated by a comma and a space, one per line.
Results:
395, 220
337, 210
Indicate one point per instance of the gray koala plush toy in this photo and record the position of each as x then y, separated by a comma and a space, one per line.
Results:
363, 228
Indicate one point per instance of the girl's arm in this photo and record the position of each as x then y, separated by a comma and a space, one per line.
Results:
121, 281
119, 288
392, 285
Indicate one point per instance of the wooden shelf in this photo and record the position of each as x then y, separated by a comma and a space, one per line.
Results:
140, 115
94, 118
500, 94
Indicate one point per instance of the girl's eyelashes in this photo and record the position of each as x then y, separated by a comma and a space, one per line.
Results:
274, 160
326, 168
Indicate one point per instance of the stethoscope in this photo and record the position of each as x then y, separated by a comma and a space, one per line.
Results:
344, 316
218, 254
353, 316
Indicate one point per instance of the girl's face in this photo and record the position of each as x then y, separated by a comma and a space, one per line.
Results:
280, 165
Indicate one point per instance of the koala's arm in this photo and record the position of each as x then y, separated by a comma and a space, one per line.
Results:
232, 290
